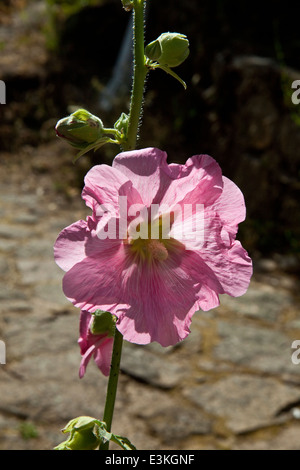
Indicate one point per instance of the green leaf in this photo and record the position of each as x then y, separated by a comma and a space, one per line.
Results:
123, 442
94, 146
170, 72
101, 433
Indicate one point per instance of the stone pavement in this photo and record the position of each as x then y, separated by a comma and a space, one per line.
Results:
230, 385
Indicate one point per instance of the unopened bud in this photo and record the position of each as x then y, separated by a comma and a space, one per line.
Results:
170, 49
122, 124
81, 436
103, 323
80, 129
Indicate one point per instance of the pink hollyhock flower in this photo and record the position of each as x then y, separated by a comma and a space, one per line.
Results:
155, 283
91, 345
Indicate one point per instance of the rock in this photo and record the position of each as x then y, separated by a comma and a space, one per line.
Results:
245, 402
27, 219
7, 293
35, 271
169, 420
143, 365
13, 232
30, 336
285, 439
50, 390
256, 348
259, 301
7, 245
176, 422
4, 267
15, 307
51, 293
289, 263
37, 247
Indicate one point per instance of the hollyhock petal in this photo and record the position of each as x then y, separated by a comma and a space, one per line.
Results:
232, 267
199, 182
231, 208
162, 318
76, 242
91, 345
69, 247
170, 184
231, 204
144, 170
103, 355
91, 284
84, 325
104, 189
181, 286
102, 184
85, 359
154, 286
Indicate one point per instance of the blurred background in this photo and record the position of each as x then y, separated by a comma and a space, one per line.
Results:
56, 56
61, 54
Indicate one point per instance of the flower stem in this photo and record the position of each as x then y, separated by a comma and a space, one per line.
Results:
139, 76
112, 384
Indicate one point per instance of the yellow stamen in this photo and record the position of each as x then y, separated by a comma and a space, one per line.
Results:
157, 250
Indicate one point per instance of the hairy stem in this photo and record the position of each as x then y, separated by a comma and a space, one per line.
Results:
139, 76
112, 385
137, 94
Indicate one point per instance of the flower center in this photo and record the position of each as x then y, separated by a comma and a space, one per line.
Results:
151, 241
149, 249
147, 241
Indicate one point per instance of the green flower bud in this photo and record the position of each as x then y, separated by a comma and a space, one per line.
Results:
174, 49
80, 129
81, 436
103, 323
153, 50
121, 124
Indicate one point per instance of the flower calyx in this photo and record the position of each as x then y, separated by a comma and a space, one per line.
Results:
81, 436
85, 132
87, 433
104, 323
169, 50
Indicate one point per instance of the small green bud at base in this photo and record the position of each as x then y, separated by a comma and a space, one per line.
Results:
80, 129
103, 323
81, 436
121, 124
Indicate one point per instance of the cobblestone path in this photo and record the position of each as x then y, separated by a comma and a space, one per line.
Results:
230, 385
